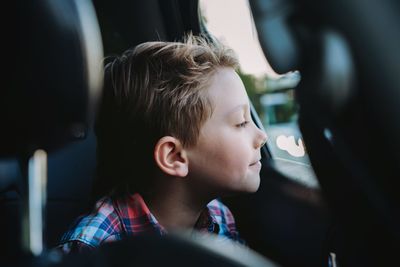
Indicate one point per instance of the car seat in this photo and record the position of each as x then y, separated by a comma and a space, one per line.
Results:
49, 104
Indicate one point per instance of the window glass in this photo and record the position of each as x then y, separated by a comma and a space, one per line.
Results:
272, 94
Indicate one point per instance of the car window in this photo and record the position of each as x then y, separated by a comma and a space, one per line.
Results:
271, 94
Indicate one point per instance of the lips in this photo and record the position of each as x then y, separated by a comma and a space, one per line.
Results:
255, 162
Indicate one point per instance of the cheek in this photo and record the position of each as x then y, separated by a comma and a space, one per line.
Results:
228, 158
231, 146
224, 151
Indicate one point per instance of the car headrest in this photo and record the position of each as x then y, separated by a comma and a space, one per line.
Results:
53, 89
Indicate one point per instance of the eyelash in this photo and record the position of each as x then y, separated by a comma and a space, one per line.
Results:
243, 124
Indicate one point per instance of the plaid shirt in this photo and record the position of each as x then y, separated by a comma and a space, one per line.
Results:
115, 219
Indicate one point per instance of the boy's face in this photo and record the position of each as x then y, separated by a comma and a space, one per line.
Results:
227, 156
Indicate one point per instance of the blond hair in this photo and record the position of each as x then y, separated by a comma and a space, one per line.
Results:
158, 89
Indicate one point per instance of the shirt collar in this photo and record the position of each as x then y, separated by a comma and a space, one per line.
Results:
207, 222
137, 217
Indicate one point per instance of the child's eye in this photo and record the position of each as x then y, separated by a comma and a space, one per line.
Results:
243, 124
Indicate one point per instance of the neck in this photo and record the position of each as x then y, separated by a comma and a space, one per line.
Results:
175, 205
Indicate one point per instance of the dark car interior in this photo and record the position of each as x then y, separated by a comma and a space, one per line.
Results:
347, 54
349, 112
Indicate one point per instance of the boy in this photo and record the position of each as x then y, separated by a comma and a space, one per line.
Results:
174, 133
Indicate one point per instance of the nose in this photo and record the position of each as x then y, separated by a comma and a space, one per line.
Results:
261, 138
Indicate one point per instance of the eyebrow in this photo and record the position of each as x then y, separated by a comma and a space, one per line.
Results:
238, 107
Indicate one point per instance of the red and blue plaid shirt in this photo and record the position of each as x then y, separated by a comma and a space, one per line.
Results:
113, 220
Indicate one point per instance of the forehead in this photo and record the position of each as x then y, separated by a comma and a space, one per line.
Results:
227, 91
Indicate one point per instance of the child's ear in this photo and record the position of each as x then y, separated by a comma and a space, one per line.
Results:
170, 156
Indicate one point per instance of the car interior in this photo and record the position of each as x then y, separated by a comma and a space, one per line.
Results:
348, 98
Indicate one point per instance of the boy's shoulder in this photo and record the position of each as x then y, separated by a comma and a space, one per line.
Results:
102, 224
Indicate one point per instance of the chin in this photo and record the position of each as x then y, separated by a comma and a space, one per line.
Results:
254, 188
252, 184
